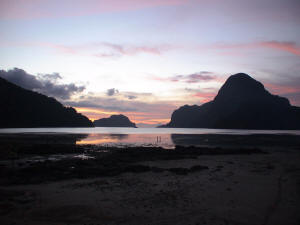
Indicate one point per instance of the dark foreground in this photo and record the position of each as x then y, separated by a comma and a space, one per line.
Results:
187, 185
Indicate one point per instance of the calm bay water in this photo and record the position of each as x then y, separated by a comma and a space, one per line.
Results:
165, 137
129, 130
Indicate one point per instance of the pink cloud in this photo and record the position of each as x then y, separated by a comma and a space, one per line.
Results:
290, 47
233, 49
30, 9
290, 91
282, 89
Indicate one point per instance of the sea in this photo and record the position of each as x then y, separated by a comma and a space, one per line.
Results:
163, 137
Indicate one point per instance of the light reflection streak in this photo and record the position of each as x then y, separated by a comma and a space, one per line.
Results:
163, 140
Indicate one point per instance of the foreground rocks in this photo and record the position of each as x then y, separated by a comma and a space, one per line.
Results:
104, 162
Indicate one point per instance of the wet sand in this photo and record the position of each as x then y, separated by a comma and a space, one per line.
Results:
184, 186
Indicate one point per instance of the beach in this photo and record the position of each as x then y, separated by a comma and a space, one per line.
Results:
139, 185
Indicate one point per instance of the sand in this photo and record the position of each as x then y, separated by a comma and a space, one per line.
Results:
256, 189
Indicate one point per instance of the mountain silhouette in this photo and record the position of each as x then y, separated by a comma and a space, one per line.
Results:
114, 121
24, 108
241, 103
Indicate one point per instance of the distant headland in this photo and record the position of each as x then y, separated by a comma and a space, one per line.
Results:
24, 108
241, 103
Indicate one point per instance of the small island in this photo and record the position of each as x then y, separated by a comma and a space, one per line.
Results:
114, 121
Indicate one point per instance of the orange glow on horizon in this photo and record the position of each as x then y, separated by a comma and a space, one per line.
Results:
82, 109
136, 117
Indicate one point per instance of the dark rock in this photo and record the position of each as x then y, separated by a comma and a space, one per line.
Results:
137, 169
198, 168
241, 103
157, 169
112, 163
179, 171
23, 108
114, 121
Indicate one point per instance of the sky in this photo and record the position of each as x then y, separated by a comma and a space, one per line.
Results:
145, 58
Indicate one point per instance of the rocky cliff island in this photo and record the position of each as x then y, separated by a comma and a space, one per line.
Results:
241, 103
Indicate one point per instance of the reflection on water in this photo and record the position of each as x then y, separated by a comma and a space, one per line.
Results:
164, 137
163, 140
95, 139
170, 140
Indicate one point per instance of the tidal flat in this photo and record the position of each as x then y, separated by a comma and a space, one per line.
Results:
48, 179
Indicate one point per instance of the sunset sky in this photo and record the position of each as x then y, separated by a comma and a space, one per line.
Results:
145, 58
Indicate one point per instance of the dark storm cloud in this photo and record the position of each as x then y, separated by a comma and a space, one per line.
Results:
43, 83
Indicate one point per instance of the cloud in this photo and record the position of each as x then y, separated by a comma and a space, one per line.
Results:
290, 47
53, 76
203, 76
30, 9
134, 95
127, 95
285, 46
112, 91
289, 90
107, 49
101, 103
283, 83
203, 94
131, 97
99, 49
111, 50
131, 50
43, 83
109, 103
195, 77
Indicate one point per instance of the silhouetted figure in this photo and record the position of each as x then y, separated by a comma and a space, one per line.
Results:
114, 121
23, 108
241, 103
